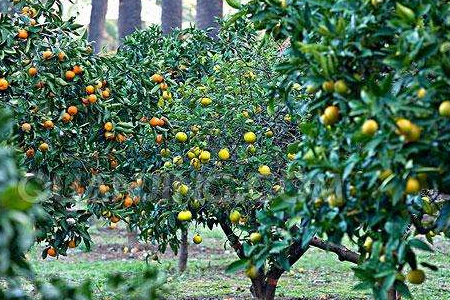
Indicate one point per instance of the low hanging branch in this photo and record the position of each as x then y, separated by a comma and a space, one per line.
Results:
343, 253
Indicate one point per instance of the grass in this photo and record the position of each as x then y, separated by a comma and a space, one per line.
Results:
318, 275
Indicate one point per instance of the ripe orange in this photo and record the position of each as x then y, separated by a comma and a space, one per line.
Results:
127, 202
163, 86
23, 34
330, 115
30, 152
65, 117
404, 126
71, 244
77, 69
113, 164
108, 126
90, 89
114, 219
412, 186
157, 78
43, 147
154, 121
161, 122
103, 189
61, 56
70, 75
370, 127
47, 54
92, 98
32, 71
120, 138
105, 94
4, 84
48, 124
26, 127
51, 252
72, 110
159, 139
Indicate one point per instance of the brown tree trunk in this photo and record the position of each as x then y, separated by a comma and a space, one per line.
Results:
129, 17
171, 15
207, 11
182, 260
97, 22
393, 295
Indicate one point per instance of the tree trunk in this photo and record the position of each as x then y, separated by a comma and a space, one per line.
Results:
393, 295
129, 17
207, 11
97, 22
182, 260
171, 15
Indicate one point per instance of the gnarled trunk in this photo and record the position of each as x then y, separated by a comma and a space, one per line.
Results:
183, 256
171, 15
97, 22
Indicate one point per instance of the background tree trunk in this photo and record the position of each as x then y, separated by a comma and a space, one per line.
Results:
207, 11
129, 17
182, 260
172, 15
97, 22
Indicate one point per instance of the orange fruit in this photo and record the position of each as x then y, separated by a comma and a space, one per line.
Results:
65, 117
103, 189
51, 252
33, 22
72, 110
43, 147
157, 78
113, 164
105, 94
114, 219
120, 138
90, 89
163, 86
412, 186
108, 126
47, 54
154, 121
71, 244
77, 69
159, 139
127, 202
48, 124
26, 127
32, 71
92, 98
30, 152
61, 56
23, 34
4, 84
70, 75
161, 122
330, 115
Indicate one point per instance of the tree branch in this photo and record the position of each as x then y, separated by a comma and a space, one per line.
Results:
343, 253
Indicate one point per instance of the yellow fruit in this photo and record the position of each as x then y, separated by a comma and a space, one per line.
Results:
157, 78
195, 163
264, 170
4, 84
43, 147
276, 188
414, 135
205, 156
181, 137
183, 189
103, 189
205, 101
331, 114
328, 86
165, 152
404, 126
340, 87
224, 154
250, 137
235, 217
376, 2
177, 160
421, 93
444, 109
197, 239
335, 201
26, 127
310, 89
166, 95
251, 272
255, 237
184, 216
412, 186
368, 244
370, 127
190, 154
291, 156
318, 202
416, 276
167, 164
251, 149
269, 133
108, 126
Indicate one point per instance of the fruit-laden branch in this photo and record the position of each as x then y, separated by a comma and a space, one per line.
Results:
343, 253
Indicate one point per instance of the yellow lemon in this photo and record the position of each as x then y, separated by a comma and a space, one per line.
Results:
250, 137
264, 170
224, 154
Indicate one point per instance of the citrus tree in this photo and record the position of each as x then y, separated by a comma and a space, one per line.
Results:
374, 132
78, 117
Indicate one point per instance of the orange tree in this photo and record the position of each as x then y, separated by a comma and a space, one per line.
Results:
77, 118
224, 149
20, 208
374, 132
